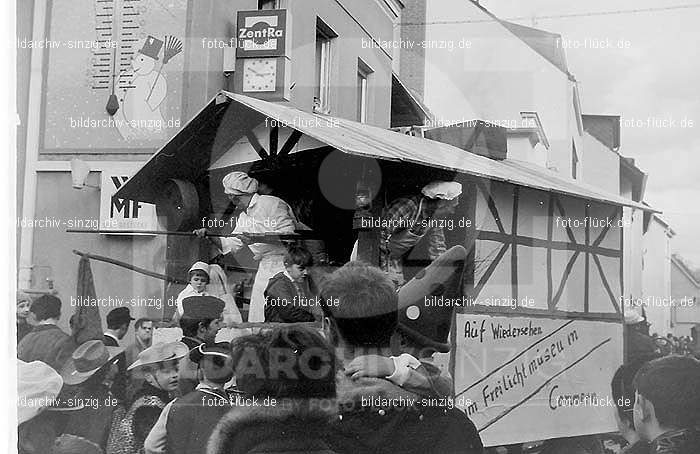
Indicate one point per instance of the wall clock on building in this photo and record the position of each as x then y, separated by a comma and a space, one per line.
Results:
259, 74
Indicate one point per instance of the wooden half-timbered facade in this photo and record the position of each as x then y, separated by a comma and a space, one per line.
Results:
553, 254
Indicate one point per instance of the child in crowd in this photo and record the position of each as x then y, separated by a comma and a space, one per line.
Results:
160, 368
290, 295
198, 277
186, 423
423, 330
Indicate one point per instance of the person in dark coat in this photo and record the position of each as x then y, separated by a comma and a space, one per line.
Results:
200, 322
46, 342
280, 411
667, 405
640, 345
143, 338
290, 294
379, 416
118, 321
91, 369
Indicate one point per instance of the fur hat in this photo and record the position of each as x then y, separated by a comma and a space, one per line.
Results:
245, 427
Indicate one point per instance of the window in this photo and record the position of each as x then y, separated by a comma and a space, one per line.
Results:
574, 160
363, 74
324, 38
268, 4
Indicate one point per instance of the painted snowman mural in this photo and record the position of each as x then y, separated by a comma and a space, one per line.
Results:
139, 116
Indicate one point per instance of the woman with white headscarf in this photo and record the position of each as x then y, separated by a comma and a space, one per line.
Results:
259, 214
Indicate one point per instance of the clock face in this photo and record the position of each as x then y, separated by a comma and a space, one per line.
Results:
259, 74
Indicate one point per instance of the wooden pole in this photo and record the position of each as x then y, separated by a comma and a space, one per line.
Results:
254, 237
264, 325
130, 267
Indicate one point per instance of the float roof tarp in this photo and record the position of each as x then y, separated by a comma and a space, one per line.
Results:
356, 139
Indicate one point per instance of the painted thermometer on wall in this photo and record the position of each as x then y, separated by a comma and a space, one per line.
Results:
118, 28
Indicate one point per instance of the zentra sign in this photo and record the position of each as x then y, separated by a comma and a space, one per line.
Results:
262, 33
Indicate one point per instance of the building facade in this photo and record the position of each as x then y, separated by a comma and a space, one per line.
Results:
109, 83
685, 292
657, 274
467, 64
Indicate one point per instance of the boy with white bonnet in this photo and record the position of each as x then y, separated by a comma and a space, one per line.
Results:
198, 278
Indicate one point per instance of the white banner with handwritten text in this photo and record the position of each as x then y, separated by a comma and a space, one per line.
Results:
526, 378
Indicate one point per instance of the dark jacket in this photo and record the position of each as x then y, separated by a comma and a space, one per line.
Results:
136, 376
37, 435
640, 346
93, 422
405, 426
46, 343
192, 419
23, 328
187, 375
280, 304
109, 341
121, 381
289, 427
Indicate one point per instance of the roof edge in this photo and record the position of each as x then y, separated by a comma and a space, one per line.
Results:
676, 259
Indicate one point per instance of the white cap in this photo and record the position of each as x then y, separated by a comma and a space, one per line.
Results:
201, 266
446, 190
239, 183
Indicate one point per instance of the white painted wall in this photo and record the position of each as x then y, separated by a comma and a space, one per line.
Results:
633, 221
491, 74
601, 166
656, 274
684, 318
520, 149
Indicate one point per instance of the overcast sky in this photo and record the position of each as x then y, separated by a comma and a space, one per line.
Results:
657, 77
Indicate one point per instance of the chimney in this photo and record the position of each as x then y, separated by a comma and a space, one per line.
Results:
412, 60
